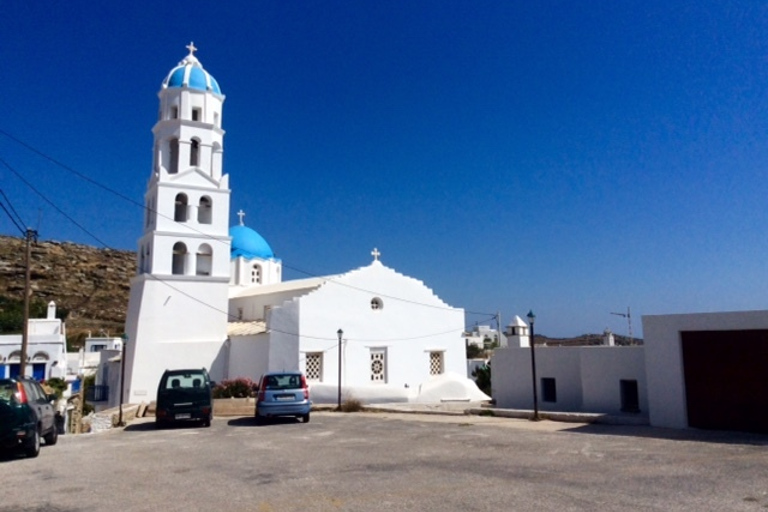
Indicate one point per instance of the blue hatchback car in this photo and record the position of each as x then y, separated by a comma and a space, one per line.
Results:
283, 394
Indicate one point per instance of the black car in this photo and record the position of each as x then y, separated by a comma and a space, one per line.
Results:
184, 395
26, 415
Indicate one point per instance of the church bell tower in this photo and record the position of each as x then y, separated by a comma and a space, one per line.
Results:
177, 313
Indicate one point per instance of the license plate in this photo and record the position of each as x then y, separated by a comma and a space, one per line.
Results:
284, 398
184, 416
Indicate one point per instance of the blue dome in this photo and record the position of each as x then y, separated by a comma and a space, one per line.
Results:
249, 244
190, 73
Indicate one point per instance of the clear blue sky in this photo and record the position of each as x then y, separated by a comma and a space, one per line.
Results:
567, 157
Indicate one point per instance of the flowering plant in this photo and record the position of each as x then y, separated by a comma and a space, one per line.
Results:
241, 387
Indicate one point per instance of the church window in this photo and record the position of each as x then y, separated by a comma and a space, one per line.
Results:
314, 366
377, 304
204, 262
256, 273
174, 112
548, 389
204, 210
180, 211
179, 262
240, 314
379, 365
194, 153
173, 166
216, 119
197, 114
436, 363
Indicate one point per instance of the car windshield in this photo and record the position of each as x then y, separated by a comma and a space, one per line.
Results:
290, 381
185, 381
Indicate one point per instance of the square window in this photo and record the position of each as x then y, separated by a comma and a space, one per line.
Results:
314, 366
436, 366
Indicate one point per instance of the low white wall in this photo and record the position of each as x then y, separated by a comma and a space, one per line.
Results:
587, 379
603, 369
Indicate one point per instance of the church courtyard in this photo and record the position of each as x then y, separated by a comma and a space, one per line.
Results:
389, 461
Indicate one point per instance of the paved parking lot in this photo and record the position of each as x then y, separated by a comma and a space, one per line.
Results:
387, 461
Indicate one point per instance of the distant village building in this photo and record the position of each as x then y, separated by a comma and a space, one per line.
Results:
207, 295
46, 349
484, 337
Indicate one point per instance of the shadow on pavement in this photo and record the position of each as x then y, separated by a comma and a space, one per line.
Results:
704, 436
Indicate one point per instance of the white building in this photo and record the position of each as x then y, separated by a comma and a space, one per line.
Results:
484, 337
703, 370
46, 349
209, 296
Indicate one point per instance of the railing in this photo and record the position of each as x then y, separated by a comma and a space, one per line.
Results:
97, 393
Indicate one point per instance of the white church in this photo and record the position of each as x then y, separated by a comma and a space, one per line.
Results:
207, 295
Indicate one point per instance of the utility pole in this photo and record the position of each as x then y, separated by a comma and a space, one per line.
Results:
30, 234
340, 333
628, 316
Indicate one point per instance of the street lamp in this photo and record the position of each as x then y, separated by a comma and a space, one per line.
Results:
340, 333
120, 422
531, 320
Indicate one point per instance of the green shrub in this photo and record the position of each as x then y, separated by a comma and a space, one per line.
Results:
241, 387
482, 375
57, 385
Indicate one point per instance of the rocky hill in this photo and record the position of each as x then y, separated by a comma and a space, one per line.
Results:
91, 284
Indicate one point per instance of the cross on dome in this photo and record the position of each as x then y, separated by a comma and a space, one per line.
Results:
191, 48
241, 214
375, 253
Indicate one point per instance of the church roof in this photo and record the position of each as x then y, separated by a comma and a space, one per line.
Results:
247, 243
294, 285
190, 73
246, 328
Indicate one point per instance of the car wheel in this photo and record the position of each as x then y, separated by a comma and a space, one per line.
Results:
259, 419
52, 436
305, 418
32, 446
207, 421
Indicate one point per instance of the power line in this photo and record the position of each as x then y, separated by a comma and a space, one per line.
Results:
17, 220
42, 196
192, 228
12, 219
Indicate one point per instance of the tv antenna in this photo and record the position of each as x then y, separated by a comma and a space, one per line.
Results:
628, 316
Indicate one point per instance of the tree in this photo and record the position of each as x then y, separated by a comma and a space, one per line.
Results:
482, 375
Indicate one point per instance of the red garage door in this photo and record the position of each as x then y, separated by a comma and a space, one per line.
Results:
726, 379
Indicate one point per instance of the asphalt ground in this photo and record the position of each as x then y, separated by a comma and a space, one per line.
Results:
391, 461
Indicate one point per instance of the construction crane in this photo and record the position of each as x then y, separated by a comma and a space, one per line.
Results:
628, 316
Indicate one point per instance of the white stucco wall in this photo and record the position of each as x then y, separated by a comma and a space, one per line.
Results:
183, 326
603, 369
249, 356
407, 330
664, 360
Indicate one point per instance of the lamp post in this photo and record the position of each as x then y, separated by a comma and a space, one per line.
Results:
340, 333
531, 320
120, 422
